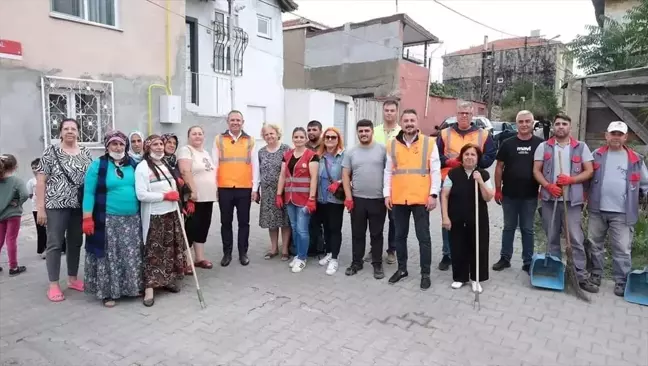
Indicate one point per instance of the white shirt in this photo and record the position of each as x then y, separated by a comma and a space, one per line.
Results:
31, 190
435, 170
255, 162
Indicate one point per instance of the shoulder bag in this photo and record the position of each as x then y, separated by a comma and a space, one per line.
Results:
339, 192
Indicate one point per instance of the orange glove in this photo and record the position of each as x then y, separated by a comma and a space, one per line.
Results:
564, 180
190, 208
453, 163
279, 202
554, 190
333, 187
88, 226
498, 196
172, 196
311, 206
348, 203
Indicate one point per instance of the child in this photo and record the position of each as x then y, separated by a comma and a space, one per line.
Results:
12, 197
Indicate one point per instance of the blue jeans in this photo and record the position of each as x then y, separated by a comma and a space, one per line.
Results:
518, 212
299, 221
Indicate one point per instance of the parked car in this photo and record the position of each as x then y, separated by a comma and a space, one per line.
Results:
479, 121
538, 129
503, 131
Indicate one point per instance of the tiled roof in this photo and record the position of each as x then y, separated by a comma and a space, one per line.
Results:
505, 44
287, 5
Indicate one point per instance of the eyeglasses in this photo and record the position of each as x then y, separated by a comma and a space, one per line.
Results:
330, 137
119, 173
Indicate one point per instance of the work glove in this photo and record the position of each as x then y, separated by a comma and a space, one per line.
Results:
348, 203
554, 190
564, 180
88, 226
311, 206
333, 187
172, 196
453, 163
279, 202
498, 196
190, 208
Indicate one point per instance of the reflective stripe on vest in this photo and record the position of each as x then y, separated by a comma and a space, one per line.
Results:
291, 188
228, 159
423, 170
448, 139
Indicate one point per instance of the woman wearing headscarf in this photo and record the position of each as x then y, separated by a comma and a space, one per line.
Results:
164, 249
111, 222
170, 141
136, 150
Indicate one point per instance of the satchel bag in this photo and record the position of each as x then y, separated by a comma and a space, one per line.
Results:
339, 192
79, 188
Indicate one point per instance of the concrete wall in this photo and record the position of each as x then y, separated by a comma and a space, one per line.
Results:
379, 78
294, 58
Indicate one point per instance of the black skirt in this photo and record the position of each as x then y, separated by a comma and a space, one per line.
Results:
197, 225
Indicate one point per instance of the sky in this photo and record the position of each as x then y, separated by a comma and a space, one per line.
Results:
563, 18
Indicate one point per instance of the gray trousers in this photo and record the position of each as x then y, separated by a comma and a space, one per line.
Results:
621, 234
574, 230
60, 222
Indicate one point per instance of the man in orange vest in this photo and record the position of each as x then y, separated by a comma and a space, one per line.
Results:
450, 141
233, 161
411, 185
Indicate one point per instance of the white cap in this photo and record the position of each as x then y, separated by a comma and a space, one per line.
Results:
618, 126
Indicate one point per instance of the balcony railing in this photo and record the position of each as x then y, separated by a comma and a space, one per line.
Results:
223, 45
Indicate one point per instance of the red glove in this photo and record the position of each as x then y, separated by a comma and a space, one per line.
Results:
498, 196
279, 201
190, 208
564, 180
180, 182
453, 163
88, 226
172, 196
348, 203
311, 206
554, 190
333, 187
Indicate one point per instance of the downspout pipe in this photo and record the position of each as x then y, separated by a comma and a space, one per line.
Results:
167, 87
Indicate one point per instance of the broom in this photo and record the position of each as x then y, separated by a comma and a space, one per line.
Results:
570, 271
193, 268
476, 303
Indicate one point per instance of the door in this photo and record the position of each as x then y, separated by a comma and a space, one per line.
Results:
191, 61
340, 118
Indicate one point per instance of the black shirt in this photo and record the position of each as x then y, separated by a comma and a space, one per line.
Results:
517, 156
293, 161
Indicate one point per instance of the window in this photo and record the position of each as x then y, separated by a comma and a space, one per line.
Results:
500, 80
87, 101
223, 45
191, 60
487, 81
96, 11
264, 28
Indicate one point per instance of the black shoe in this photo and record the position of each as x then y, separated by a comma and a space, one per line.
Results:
399, 275
353, 269
425, 282
586, 285
501, 264
595, 279
16, 271
619, 289
445, 263
244, 260
379, 273
526, 268
173, 288
227, 259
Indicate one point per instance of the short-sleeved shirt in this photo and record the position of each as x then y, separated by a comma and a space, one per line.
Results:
613, 195
202, 169
59, 191
566, 163
366, 164
31, 190
517, 179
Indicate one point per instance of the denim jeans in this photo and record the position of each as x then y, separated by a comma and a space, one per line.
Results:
518, 212
299, 220
422, 228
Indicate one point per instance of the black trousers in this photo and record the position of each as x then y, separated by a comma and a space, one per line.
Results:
391, 232
316, 234
197, 225
41, 237
421, 226
462, 251
332, 215
228, 200
372, 212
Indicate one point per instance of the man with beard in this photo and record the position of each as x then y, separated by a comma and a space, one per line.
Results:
575, 159
314, 130
315, 228
412, 181
364, 200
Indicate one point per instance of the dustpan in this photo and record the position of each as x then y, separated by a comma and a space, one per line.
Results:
636, 290
548, 271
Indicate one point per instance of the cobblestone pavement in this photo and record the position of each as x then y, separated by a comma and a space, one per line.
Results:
264, 315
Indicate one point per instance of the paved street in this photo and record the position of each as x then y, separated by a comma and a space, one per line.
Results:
265, 315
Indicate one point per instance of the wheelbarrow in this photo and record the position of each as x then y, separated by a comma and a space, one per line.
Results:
548, 271
636, 290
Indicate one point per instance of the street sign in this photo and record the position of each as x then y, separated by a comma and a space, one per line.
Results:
10, 49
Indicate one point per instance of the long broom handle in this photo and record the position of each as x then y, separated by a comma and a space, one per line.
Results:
186, 241
477, 233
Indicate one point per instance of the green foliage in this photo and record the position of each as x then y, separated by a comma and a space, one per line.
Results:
442, 90
540, 100
615, 46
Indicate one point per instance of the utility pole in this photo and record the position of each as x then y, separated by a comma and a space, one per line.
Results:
524, 64
483, 62
230, 41
492, 82
396, 6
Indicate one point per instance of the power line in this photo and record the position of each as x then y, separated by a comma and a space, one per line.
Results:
474, 20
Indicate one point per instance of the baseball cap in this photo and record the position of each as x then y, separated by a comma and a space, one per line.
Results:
618, 126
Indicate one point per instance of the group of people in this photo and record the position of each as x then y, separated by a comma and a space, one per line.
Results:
144, 202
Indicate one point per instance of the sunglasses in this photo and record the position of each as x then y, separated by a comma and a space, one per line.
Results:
330, 137
119, 173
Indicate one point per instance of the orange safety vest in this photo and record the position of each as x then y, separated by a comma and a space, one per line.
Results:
297, 187
234, 161
410, 182
453, 142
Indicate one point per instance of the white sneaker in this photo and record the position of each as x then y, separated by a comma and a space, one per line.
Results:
299, 266
327, 258
332, 267
457, 285
292, 262
476, 287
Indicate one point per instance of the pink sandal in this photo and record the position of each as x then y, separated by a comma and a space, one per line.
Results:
76, 285
54, 294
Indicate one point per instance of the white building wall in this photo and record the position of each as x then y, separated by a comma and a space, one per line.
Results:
260, 89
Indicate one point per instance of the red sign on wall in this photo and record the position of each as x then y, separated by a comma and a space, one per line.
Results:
10, 49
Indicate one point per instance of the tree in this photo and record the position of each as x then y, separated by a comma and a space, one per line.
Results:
539, 99
442, 90
616, 45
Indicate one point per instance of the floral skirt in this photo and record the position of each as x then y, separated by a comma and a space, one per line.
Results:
164, 251
119, 272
